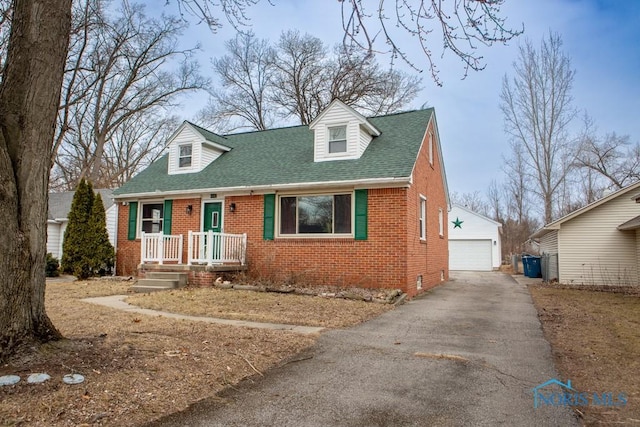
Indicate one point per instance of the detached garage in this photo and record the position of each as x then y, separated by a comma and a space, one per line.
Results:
474, 241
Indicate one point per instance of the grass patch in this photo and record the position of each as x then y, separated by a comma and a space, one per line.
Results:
139, 368
267, 307
595, 337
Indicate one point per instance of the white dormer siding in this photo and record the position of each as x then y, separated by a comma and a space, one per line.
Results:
203, 152
359, 132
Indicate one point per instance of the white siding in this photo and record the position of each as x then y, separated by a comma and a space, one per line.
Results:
111, 214
364, 141
54, 239
475, 227
357, 138
592, 250
209, 155
549, 243
638, 251
201, 154
186, 136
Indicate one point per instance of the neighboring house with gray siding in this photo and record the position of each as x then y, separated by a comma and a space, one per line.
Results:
598, 244
58, 218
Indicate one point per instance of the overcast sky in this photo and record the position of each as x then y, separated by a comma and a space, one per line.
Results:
602, 38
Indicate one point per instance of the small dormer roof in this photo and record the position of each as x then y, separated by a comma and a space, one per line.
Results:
211, 139
371, 129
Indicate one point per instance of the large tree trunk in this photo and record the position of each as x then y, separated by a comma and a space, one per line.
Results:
29, 97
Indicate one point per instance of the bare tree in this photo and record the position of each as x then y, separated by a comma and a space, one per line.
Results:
245, 73
297, 79
463, 27
358, 81
537, 108
119, 70
495, 209
6, 10
473, 201
299, 82
611, 157
29, 95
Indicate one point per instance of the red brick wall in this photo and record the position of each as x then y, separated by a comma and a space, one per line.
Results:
430, 257
377, 262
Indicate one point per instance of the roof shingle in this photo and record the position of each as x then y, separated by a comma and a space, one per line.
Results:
285, 156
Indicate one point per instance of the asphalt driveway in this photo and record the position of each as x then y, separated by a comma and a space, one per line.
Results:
467, 353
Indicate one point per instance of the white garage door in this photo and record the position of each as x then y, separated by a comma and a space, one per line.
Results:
470, 255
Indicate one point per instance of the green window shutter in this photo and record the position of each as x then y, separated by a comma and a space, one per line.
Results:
361, 215
133, 217
269, 216
166, 226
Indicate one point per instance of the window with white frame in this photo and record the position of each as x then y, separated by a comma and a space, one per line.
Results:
422, 220
441, 221
337, 139
315, 214
151, 217
184, 155
431, 148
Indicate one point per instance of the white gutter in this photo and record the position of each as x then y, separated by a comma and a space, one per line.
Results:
357, 183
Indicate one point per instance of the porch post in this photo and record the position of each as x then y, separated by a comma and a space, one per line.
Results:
209, 247
180, 249
190, 248
143, 247
244, 249
161, 248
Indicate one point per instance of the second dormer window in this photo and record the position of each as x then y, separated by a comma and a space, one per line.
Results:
338, 139
184, 156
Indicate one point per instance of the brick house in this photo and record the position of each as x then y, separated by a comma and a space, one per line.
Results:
345, 201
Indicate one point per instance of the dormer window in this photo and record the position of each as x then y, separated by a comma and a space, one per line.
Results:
338, 139
340, 133
184, 155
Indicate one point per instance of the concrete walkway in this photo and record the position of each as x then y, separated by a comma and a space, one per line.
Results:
117, 302
467, 353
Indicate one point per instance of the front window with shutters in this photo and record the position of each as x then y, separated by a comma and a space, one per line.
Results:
338, 139
313, 215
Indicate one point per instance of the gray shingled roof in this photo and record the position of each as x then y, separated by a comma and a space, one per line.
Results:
285, 156
60, 203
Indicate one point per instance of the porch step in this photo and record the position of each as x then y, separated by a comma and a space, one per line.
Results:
160, 281
181, 278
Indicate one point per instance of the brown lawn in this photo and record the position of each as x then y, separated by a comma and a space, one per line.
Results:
139, 368
267, 307
595, 337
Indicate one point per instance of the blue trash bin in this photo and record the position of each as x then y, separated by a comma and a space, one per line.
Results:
532, 266
526, 265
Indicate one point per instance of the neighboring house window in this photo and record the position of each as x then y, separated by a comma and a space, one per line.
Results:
184, 155
338, 139
441, 221
422, 221
431, 148
317, 214
152, 217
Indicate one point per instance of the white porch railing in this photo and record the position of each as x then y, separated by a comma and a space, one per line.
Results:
158, 247
210, 248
